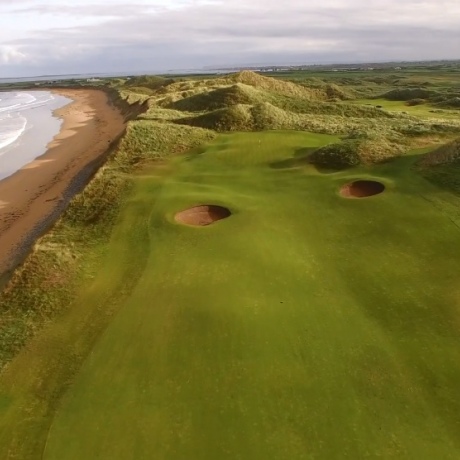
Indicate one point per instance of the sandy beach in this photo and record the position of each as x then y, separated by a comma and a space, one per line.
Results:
33, 197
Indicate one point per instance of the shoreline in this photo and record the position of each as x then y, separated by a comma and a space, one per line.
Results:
42, 125
34, 197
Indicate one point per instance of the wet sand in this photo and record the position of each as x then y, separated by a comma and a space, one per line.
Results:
32, 198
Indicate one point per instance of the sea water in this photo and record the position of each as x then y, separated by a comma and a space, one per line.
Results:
27, 125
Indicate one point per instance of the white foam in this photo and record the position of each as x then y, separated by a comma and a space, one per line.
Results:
11, 128
13, 114
19, 102
27, 125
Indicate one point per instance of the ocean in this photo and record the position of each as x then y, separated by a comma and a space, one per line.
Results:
27, 125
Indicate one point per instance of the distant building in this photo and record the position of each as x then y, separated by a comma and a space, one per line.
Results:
93, 80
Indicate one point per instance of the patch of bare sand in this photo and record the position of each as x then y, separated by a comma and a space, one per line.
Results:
202, 215
362, 189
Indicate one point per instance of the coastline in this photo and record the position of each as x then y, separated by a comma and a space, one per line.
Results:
41, 126
33, 198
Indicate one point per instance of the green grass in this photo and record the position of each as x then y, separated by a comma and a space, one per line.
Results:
422, 111
304, 326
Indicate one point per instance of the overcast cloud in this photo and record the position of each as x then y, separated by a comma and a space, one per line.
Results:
57, 37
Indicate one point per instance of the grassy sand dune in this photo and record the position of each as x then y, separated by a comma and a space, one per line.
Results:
247, 101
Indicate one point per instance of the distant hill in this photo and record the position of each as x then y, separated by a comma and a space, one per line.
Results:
151, 82
218, 98
406, 94
234, 118
449, 103
273, 85
335, 92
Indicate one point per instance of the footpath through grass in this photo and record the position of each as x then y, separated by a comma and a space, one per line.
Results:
304, 326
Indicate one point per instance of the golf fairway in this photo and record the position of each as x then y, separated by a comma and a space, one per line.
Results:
304, 326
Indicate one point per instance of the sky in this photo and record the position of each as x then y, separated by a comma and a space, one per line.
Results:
44, 37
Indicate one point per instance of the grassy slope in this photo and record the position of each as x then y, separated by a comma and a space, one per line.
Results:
442, 167
305, 326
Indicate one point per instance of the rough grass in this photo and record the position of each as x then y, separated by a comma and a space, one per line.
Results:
251, 102
445, 176
326, 108
356, 150
276, 86
151, 82
217, 99
444, 155
407, 94
449, 103
337, 156
383, 137
151, 140
441, 166
335, 92
234, 118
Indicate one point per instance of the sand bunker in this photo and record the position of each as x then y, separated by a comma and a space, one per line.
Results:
202, 215
362, 189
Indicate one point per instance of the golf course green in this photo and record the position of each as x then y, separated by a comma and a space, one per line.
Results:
305, 325
422, 111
